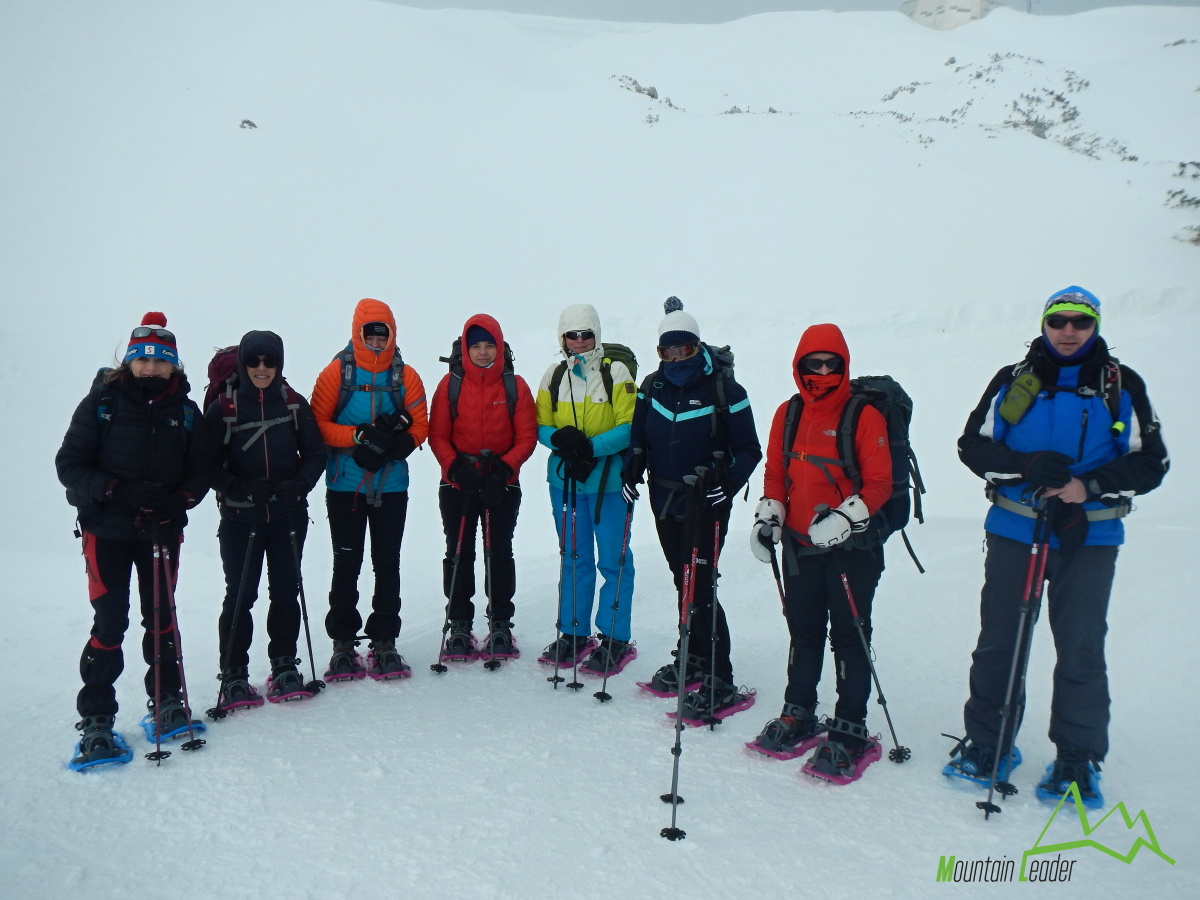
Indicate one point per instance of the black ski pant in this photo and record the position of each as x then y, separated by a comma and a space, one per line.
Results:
1077, 609
677, 540
110, 563
349, 516
500, 577
817, 607
272, 542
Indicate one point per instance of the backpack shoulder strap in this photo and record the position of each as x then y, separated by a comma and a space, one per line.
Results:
847, 429
555, 383
791, 422
453, 390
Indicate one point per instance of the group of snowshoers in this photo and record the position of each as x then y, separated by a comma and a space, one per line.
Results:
1064, 439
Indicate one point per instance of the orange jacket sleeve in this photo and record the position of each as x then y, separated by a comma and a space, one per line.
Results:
415, 405
441, 425
524, 429
773, 473
324, 402
874, 455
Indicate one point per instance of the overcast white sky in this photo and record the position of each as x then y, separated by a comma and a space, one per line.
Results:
698, 11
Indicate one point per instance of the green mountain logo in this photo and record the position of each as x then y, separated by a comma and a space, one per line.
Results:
1139, 825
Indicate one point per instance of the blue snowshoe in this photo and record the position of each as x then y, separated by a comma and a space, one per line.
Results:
98, 744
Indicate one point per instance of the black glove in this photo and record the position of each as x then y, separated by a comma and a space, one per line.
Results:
139, 494
403, 444
495, 483
1070, 524
571, 442
290, 493
373, 446
465, 474
397, 421
172, 506
1047, 468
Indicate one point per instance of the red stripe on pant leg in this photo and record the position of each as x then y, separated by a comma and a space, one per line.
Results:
96, 587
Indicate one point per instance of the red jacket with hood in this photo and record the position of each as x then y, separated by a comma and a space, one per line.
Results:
483, 422
824, 397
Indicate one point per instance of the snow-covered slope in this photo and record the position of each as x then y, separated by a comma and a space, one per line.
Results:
924, 190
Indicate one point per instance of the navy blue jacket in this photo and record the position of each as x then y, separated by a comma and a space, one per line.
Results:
680, 428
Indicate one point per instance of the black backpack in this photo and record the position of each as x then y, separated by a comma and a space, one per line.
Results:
222, 388
885, 394
508, 376
613, 352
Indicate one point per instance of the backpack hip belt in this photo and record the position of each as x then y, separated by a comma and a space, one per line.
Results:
1093, 515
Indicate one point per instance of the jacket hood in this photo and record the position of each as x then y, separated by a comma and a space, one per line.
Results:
367, 311
577, 317
824, 338
259, 343
496, 369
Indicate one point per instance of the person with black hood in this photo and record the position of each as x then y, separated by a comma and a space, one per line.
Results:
693, 432
809, 497
270, 454
134, 461
1069, 435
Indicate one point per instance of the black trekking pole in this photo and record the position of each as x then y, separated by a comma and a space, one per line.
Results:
557, 679
671, 832
193, 742
603, 695
492, 664
574, 684
315, 686
770, 545
897, 754
158, 754
216, 712
439, 666
711, 719
1039, 550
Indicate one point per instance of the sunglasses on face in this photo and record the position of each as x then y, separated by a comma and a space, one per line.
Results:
579, 335
815, 364
676, 352
1080, 323
267, 362
144, 331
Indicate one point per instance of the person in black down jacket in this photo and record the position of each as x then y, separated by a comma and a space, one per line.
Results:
133, 461
270, 455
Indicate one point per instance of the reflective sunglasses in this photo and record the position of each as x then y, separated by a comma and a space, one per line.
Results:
579, 335
676, 352
815, 364
270, 362
1081, 323
145, 331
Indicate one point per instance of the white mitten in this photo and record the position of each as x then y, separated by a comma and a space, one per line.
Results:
829, 527
768, 526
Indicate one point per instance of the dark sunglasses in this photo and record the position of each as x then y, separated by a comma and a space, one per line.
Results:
579, 335
270, 362
1081, 323
144, 331
814, 364
676, 352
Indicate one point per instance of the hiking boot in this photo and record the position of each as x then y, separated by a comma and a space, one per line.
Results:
172, 719
236, 690
791, 733
848, 749
610, 656
345, 664
286, 682
568, 650
460, 643
665, 682
1072, 765
714, 698
499, 642
384, 663
98, 743
975, 762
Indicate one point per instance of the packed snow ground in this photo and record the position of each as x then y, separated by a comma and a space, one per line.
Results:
453, 162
